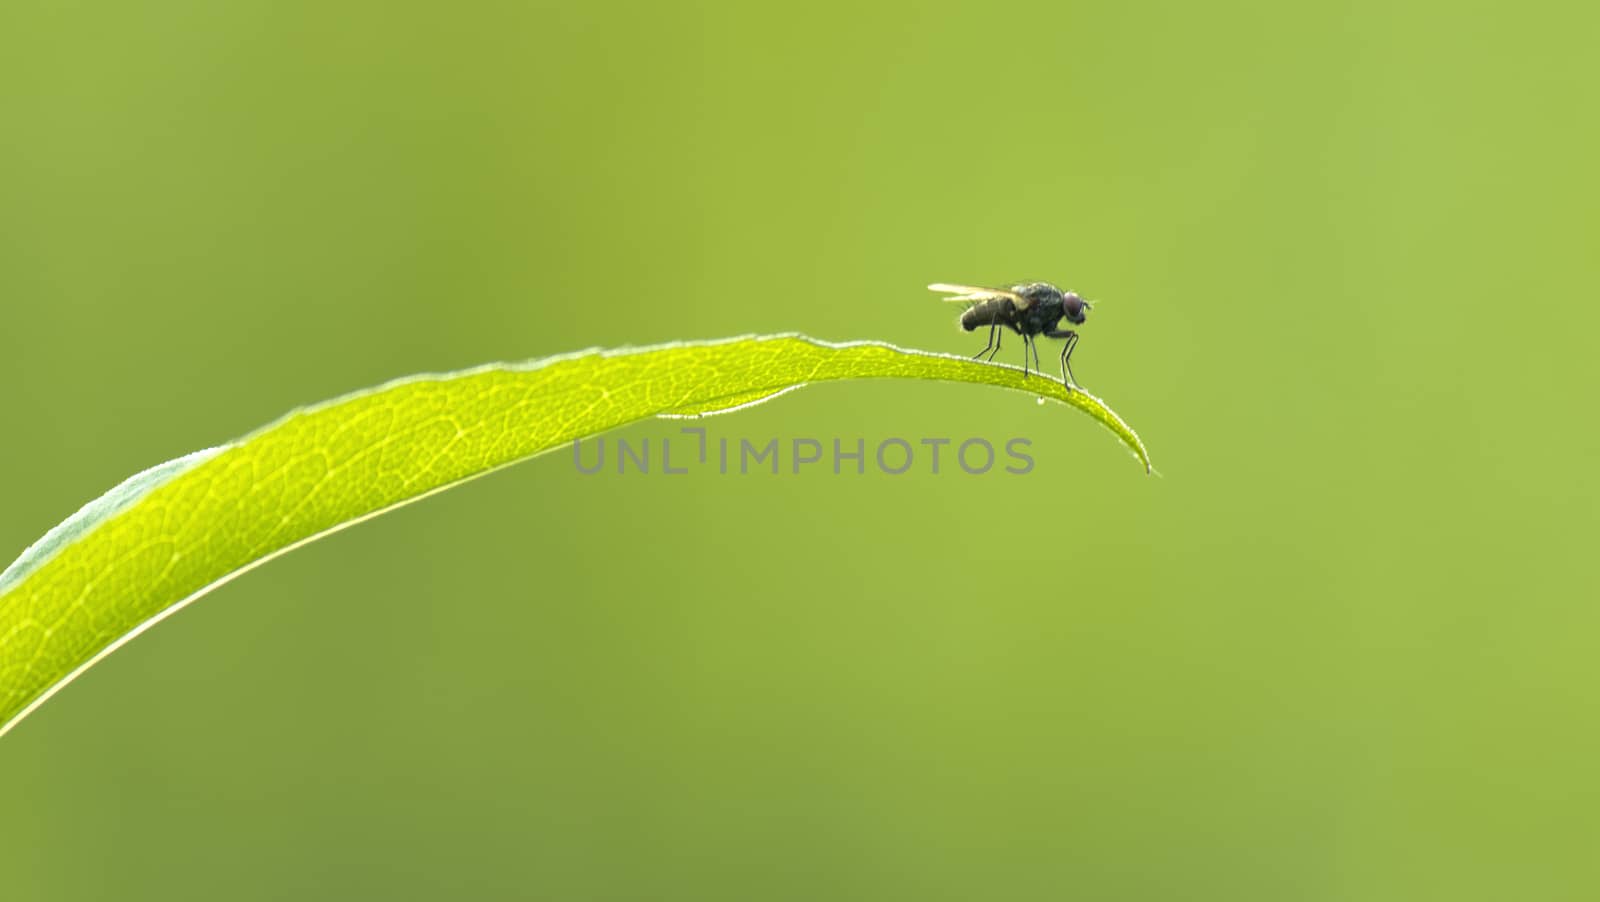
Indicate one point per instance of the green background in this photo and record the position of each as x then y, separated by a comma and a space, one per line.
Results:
1344, 648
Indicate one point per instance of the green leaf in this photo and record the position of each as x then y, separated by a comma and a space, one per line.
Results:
170, 534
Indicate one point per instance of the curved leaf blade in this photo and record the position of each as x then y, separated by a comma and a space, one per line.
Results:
170, 534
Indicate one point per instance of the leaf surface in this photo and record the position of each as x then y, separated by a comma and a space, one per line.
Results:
170, 534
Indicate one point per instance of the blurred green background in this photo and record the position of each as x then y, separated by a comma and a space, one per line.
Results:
1343, 649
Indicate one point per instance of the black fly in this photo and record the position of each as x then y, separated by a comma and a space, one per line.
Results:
1030, 310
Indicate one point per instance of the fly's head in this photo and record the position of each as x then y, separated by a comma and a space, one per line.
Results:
1075, 308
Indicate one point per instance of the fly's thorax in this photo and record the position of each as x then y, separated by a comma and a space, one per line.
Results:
1042, 317
1038, 292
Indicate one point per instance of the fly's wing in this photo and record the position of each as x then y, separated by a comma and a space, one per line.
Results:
968, 294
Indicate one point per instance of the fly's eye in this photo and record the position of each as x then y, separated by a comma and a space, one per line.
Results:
1074, 306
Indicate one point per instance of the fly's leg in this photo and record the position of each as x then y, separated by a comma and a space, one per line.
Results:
993, 347
998, 334
1067, 378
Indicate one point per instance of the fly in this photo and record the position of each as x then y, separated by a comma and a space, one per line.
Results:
1030, 310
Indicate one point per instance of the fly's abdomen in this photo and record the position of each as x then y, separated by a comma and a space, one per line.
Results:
986, 314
